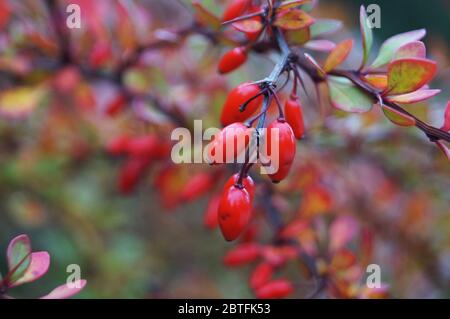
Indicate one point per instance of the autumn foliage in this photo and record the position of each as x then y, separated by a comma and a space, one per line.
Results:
358, 137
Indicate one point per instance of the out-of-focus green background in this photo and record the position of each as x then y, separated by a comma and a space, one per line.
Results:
130, 247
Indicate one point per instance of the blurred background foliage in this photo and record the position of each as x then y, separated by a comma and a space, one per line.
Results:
58, 186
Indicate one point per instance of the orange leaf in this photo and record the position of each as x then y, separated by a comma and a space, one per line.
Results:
378, 81
293, 19
338, 55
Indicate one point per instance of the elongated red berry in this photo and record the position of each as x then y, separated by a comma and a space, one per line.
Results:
294, 116
281, 148
275, 289
100, 54
234, 212
232, 60
145, 146
242, 254
247, 182
130, 172
261, 275
241, 94
228, 144
116, 105
197, 186
235, 9
118, 145
211, 218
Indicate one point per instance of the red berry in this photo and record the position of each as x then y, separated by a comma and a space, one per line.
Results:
261, 275
145, 146
210, 218
247, 182
294, 116
235, 9
228, 144
118, 145
238, 96
5, 13
232, 60
285, 141
275, 289
197, 186
100, 54
234, 212
130, 173
242, 254
116, 105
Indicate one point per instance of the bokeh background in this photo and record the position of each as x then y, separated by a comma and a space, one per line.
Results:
58, 185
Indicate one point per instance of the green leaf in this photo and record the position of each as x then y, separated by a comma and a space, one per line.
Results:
19, 257
324, 27
367, 35
391, 45
409, 75
414, 49
204, 17
338, 55
414, 97
348, 97
293, 19
397, 117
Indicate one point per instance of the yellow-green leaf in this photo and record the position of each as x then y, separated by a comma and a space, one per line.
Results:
397, 117
409, 75
298, 37
346, 96
20, 101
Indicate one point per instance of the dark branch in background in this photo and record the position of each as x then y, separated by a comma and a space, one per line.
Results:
62, 36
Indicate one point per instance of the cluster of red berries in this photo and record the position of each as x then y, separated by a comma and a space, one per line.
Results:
269, 259
235, 205
140, 151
